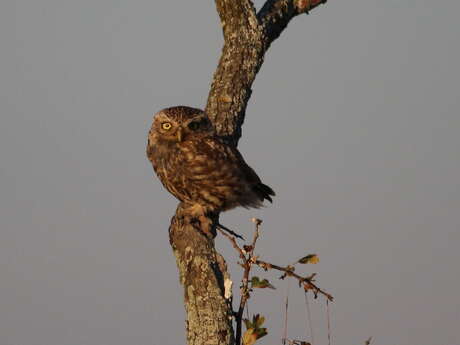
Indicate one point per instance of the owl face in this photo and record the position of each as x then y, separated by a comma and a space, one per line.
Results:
179, 124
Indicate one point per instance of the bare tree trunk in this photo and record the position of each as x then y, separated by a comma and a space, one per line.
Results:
202, 273
247, 36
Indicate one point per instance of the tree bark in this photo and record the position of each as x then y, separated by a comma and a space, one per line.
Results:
203, 272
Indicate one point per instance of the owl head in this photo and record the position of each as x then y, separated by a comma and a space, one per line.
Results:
180, 123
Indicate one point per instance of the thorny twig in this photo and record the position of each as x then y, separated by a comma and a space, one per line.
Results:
231, 232
306, 282
248, 258
234, 244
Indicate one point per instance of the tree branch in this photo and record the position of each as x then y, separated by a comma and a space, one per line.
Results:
236, 16
307, 282
247, 37
275, 15
241, 58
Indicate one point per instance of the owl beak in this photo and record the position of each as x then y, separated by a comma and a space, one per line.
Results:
179, 135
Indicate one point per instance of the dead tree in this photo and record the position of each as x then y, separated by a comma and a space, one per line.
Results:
247, 37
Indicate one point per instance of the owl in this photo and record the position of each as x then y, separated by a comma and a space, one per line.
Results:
197, 167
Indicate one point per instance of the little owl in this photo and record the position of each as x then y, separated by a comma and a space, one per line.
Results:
197, 167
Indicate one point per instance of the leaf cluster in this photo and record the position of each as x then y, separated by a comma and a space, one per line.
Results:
254, 329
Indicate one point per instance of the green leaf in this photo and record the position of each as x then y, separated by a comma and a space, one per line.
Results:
248, 324
261, 332
309, 259
259, 321
261, 284
254, 331
266, 284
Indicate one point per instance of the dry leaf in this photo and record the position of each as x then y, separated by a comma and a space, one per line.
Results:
249, 337
309, 259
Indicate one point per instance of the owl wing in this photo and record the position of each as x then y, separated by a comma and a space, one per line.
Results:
211, 160
262, 190
217, 173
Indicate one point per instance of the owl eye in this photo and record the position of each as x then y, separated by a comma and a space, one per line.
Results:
194, 125
166, 125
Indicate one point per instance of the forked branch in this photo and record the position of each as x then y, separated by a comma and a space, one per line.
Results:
247, 37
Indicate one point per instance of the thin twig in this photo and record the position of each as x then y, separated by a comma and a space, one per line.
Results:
247, 264
257, 222
285, 330
328, 323
231, 232
307, 282
248, 258
247, 310
234, 243
244, 285
310, 323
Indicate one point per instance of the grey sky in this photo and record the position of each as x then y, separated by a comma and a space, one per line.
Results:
354, 121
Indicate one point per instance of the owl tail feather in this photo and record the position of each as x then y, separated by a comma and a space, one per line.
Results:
264, 192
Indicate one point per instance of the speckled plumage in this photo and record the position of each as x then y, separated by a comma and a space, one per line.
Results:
197, 167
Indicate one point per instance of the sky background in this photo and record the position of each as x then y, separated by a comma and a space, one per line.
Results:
354, 122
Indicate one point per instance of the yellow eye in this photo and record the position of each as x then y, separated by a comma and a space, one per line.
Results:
166, 125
